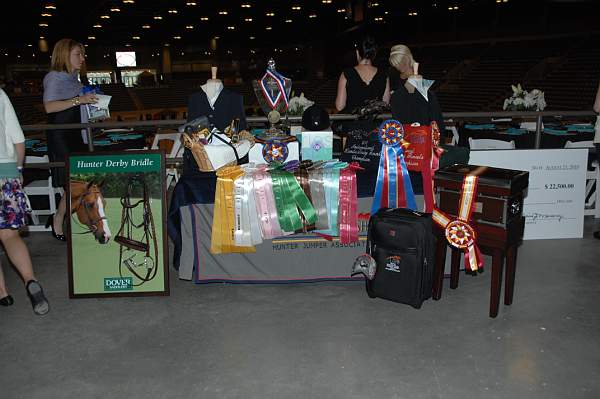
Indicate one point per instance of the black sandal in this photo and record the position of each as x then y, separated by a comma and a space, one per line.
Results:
38, 299
7, 301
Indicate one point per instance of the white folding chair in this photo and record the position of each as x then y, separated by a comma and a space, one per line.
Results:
176, 150
490, 144
592, 181
41, 188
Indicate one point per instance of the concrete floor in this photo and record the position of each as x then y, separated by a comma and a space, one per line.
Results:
311, 340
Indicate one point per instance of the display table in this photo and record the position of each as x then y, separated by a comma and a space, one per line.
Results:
296, 258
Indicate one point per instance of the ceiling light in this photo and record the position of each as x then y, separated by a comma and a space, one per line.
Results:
412, 14
189, 27
375, 4
288, 21
46, 14
30, 45
203, 18
248, 19
145, 26
312, 16
105, 16
128, 1
50, 7
177, 37
128, 45
91, 37
135, 37
115, 9
231, 27
246, 5
326, 1
378, 19
223, 12
43, 25
190, 3
157, 17
97, 26
296, 8
341, 10
252, 38
173, 11
270, 14
268, 28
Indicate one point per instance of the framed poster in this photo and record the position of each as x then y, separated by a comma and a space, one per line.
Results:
116, 229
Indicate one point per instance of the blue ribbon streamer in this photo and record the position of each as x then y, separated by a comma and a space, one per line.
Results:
379, 185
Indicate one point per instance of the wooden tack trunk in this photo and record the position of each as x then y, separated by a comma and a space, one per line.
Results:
498, 215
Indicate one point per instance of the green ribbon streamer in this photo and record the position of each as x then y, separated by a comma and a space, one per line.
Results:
289, 197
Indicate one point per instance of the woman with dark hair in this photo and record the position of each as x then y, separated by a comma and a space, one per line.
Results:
363, 82
63, 101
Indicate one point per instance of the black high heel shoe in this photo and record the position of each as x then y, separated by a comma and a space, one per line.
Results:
50, 223
7, 300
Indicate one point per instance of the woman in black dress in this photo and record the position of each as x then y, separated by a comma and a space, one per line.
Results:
363, 82
408, 105
63, 101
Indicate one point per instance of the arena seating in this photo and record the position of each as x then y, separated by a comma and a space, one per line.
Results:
474, 76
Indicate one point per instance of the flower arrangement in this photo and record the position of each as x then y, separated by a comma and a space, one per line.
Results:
522, 100
298, 105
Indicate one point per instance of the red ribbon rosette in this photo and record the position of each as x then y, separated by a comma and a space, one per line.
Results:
459, 233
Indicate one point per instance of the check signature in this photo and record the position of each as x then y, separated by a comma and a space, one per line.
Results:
543, 216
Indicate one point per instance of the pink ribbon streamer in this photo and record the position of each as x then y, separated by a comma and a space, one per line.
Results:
348, 205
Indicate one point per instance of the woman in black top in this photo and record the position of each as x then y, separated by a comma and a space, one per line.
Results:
408, 105
362, 82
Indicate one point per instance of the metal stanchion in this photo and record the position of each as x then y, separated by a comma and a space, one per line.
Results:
90, 139
538, 132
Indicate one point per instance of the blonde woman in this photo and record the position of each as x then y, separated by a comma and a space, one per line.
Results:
14, 207
63, 101
408, 105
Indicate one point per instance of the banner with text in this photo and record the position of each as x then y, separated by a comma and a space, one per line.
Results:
555, 200
116, 231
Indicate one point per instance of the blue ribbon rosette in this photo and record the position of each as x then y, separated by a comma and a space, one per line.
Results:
393, 188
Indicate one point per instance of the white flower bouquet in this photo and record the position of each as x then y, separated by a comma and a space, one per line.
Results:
298, 105
522, 100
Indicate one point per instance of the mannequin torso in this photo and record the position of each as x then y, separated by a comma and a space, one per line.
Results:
212, 87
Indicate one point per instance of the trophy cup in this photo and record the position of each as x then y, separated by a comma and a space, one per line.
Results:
273, 93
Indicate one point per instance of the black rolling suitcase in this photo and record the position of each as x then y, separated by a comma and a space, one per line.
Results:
402, 243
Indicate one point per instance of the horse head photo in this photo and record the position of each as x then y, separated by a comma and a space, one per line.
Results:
89, 204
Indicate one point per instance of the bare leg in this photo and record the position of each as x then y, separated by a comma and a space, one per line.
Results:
3, 291
17, 253
59, 216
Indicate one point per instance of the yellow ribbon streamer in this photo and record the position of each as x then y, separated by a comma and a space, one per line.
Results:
223, 227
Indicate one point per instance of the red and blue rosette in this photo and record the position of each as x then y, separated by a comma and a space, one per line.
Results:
393, 188
275, 151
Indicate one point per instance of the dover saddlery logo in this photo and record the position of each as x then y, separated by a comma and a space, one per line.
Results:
118, 284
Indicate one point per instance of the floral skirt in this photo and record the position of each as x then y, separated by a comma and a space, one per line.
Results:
15, 205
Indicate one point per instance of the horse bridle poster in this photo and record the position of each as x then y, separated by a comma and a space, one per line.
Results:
116, 230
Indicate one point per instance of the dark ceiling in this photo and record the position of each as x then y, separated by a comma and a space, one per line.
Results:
247, 22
